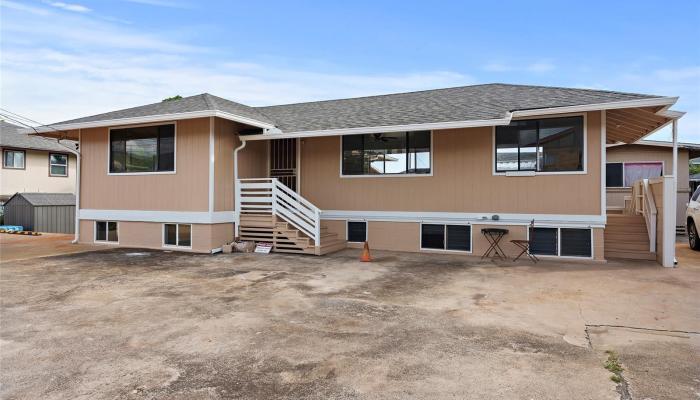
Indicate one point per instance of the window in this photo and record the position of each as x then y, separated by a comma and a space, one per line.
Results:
58, 164
446, 237
386, 153
13, 159
545, 145
179, 235
357, 231
142, 149
624, 174
106, 231
566, 242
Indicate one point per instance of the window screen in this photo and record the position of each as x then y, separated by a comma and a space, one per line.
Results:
459, 237
386, 153
433, 236
575, 242
548, 145
357, 231
613, 175
543, 241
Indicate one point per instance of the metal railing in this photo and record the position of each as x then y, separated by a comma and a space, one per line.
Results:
269, 195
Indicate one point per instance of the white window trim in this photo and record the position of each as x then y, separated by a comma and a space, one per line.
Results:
432, 158
445, 250
624, 163
559, 256
106, 241
177, 236
24, 158
347, 230
109, 153
59, 165
536, 173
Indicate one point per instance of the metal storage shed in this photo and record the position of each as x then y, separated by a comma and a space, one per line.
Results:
42, 212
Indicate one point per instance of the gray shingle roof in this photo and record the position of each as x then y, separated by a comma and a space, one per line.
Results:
478, 102
49, 199
10, 136
200, 102
465, 103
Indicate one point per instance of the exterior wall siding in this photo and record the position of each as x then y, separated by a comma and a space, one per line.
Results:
185, 190
462, 180
406, 236
35, 176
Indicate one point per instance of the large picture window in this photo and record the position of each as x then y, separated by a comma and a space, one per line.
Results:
544, 145
387, 153
142, 149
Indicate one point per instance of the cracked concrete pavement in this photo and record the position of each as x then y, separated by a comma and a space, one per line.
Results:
140, 324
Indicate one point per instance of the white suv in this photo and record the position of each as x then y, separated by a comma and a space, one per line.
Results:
692, 215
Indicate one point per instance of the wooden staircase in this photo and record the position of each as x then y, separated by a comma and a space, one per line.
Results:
285, 238
626, 236
271, 212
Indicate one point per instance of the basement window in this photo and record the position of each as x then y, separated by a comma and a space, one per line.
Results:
564, 242
446, 237
177, 235
107, 231
357, 231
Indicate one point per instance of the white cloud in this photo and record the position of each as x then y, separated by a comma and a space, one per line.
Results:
542, 66
69, 7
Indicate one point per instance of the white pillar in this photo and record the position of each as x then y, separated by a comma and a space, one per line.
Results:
673, 201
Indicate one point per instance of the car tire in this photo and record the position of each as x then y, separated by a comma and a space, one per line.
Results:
693, 239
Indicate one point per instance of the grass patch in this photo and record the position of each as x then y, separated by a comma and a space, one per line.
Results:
612, 364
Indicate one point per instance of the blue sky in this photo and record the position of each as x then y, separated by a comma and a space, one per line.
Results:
68, 59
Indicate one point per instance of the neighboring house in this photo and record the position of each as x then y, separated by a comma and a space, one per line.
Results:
627, 163
421, 171
34, 164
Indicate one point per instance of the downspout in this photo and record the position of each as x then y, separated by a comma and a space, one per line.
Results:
236, 189
77, 191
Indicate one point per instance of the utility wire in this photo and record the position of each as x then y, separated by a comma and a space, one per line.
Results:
9, 115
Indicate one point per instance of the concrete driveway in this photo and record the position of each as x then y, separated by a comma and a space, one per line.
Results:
155, 325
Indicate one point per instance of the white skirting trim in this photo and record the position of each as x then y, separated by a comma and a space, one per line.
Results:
184, 217
562, 220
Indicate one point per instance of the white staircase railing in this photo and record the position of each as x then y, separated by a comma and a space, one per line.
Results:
643, 203
269, 195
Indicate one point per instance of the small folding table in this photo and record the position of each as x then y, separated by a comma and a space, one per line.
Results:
494, 236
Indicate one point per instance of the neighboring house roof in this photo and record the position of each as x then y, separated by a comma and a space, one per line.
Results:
693, 148
191, 104
11, 135
47, 199
477, 103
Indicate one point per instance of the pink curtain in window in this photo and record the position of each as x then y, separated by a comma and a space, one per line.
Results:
637, 171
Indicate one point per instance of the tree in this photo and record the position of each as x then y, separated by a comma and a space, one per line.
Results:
176, 97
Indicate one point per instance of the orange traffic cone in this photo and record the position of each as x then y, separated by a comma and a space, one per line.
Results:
365, 254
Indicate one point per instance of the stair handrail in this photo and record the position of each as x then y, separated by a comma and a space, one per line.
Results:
649, 212
303, 214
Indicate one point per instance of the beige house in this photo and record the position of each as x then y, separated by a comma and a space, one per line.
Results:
34, 164
421, 171
627, 163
